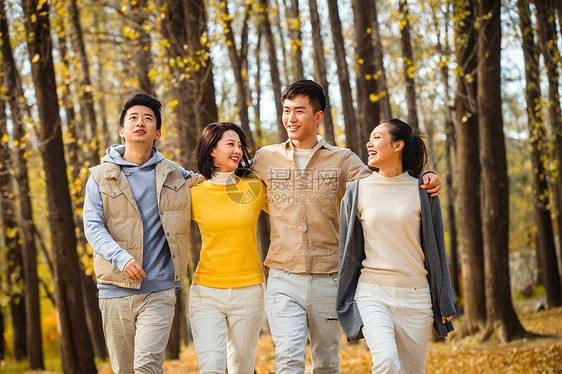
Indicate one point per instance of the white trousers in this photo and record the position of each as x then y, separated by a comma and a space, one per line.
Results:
137, 329
226, 324
298, 306
397, 325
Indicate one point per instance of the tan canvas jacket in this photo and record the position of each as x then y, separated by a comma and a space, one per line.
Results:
304, 208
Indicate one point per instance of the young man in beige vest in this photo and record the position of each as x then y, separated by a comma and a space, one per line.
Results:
136, 219
305, 178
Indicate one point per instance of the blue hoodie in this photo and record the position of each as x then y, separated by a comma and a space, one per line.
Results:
157, 261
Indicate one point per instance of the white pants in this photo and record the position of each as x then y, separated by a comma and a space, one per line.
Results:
298, 304
137, 329
226, 324
397, 325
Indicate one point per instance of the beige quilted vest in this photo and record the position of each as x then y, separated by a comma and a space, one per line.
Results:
123, 221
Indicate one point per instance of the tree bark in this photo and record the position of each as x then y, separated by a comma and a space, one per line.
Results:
501, 318
468, 169
91, 157
351, 130
75, 345
13, 275
240, 75
296, 39
12, 82
320, 70
382, 87
273, 68
546, 248
368, 113
202, 75
75, 160
445, 51
142, 54
409, 69
546, 27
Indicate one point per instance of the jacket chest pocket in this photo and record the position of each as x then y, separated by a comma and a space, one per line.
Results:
115, 199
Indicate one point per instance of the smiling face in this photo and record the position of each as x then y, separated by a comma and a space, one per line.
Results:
383, 152
227, 153
300, 121
139, 125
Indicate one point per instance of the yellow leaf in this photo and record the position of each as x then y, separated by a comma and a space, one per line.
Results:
5, 138
35, 58
174, 103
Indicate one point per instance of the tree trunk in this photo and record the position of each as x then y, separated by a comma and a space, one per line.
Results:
91, 157
382, 88
12, 83
296, 39
12, 255
75, 160
502, 320
351, 130
273, 68
142, 54
2, 341
546, 249
320, 70
546, 27
409, 69
109, 136
240, 75
445, 51
75, 345
468, 170
202, 77
368, 114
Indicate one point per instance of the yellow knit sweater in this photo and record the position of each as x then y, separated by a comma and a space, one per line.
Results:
227, 218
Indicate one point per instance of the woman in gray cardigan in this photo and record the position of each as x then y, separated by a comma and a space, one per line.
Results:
393, 279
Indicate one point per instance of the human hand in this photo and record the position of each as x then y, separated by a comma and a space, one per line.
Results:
431, 183
447, 319
194, 180
134, 271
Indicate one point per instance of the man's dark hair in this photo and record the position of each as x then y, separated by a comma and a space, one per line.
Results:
307, 88
209, 138
144, 100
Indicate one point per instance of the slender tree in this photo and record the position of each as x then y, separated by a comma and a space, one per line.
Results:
546, 27
409, 66
351, 128
273, 67
295, 33
75, 346
142, 41
380, 76
320, 70
368, 113
546, 249
468, 168
91, 156
12, 256
12, 82
444, 51
202, 72
501, 318
237, 58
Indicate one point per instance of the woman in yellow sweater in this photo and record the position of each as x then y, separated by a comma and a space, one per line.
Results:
226, 303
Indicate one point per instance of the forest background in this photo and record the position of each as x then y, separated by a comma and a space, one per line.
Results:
480, 79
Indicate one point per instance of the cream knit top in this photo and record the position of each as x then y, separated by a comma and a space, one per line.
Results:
390, 214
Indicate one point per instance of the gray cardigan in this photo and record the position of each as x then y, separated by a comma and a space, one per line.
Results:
352, 254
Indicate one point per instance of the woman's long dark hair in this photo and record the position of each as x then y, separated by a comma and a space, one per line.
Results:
414, 153
209, 139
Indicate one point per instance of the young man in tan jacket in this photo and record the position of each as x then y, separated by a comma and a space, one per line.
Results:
136, 219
